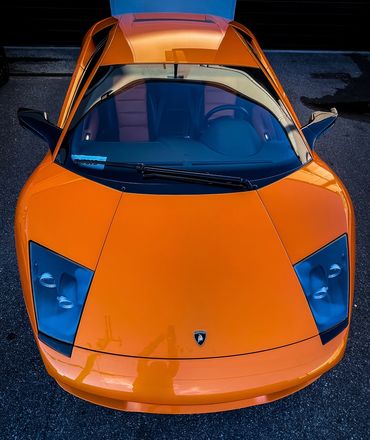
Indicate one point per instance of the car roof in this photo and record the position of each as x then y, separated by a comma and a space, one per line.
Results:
177, 38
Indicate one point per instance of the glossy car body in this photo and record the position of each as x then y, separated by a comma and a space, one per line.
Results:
167, 265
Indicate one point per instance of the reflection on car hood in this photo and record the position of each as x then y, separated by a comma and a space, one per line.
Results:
173, 265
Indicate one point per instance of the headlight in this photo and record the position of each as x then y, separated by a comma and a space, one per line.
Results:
325, 281
60, 287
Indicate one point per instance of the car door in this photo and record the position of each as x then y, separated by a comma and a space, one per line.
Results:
221, 8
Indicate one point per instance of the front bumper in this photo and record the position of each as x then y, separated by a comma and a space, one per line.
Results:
187, 386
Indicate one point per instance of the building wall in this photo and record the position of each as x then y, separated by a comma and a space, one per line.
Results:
288, 24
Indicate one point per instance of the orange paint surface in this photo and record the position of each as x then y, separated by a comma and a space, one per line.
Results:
174, 264
193, 385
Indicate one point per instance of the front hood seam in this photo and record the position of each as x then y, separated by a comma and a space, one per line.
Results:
197, 358
275, 227
107, 234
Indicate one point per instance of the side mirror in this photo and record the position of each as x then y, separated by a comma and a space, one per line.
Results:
319, 123
37, 122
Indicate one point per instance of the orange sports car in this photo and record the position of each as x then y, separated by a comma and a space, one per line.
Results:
182, 248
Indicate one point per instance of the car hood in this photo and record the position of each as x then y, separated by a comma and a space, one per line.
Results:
167, 266
174, 265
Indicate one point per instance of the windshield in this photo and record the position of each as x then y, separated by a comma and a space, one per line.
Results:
209, 119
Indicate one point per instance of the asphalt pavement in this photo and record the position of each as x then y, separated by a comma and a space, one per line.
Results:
335, 407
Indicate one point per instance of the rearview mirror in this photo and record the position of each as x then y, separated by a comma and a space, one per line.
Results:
319, 123
37, 122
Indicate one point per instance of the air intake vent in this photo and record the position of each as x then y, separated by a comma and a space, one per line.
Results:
162, 17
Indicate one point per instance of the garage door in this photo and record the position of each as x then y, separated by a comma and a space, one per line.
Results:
298, 24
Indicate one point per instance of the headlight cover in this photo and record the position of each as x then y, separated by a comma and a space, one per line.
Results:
324, 277
59, 287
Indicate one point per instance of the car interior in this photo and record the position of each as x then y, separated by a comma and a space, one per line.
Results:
182, 123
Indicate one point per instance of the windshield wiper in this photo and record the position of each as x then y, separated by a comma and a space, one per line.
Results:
196, 177
153, 172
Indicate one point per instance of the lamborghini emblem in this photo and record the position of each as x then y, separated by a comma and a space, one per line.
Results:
200, 337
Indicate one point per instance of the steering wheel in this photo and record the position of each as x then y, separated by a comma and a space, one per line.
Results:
224, 107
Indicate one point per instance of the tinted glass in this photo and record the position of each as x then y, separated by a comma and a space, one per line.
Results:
176, 122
